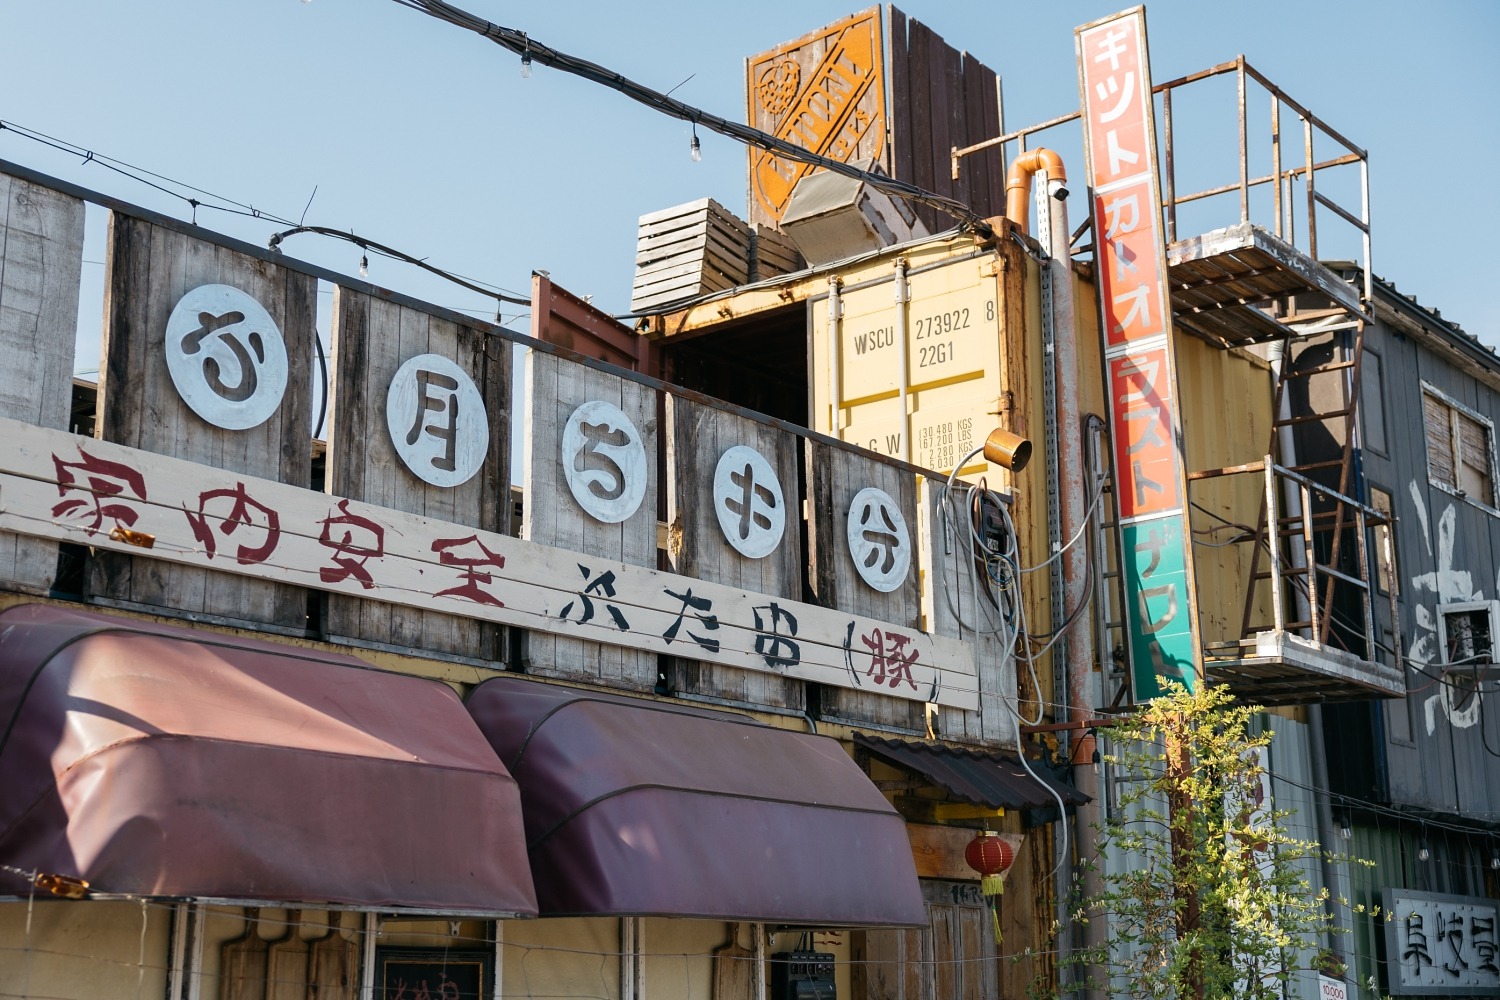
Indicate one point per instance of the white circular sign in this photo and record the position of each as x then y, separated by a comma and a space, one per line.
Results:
748, 501
436, 419
226, 357
604, 461
878, 539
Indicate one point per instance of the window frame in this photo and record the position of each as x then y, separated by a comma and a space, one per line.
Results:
1491, 503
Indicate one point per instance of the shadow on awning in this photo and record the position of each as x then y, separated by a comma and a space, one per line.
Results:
989, 779
168, 762
636, 807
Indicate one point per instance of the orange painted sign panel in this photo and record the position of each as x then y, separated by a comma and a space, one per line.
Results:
1145, 452
1131, 288
1114, 78
824, 92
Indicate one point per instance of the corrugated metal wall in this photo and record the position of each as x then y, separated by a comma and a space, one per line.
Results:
1448, 549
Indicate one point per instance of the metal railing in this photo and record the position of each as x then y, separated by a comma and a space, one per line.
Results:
1282, 175
1289, 540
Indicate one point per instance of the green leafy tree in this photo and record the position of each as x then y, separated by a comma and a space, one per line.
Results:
1212, 900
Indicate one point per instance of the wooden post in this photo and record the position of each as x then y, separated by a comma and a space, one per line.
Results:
1180, 817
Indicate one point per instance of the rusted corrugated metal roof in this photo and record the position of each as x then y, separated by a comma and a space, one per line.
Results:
993, 780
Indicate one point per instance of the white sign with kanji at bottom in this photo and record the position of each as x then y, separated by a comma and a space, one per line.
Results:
61, 486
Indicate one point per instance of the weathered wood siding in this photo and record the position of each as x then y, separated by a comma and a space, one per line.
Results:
373, 338
41, 258
554, 389
834, 476
698, 436
959, 606
149, 269
942, 97
953, 958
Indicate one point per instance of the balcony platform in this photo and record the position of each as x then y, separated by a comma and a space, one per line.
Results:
1279, 668
1224, 282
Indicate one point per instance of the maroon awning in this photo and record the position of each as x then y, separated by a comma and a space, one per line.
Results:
636, 807
164, 761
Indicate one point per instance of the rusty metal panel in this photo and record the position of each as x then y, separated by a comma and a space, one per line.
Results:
824, 91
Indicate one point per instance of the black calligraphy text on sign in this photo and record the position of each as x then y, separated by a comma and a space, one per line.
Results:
107, 495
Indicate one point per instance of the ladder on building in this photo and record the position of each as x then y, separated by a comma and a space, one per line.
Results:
1316, 527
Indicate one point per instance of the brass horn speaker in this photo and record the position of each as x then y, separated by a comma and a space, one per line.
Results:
1006, 449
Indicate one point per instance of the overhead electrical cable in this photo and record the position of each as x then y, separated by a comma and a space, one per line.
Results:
532, 51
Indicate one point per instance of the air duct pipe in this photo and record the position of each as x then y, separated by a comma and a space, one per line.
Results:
1071, 508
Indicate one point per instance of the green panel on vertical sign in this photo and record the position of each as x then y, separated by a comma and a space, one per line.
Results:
1156, 605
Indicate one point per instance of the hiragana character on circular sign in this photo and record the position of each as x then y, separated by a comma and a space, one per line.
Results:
604, 461
878, 540
748, 502
436, 419
226, 357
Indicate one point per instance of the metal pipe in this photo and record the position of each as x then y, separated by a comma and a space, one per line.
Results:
903, 308
1244, 147
1077, 648
1018, 184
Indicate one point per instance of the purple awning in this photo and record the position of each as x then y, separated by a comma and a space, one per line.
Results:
636, 807
163, 761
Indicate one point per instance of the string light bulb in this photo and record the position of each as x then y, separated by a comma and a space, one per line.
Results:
695, 148
1345, 831
1495, 859
1423, 853
364, 265
526, 61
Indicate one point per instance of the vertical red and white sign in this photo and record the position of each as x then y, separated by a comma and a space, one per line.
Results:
1114, 78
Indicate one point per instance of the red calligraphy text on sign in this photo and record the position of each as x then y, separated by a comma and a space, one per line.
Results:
245, 512
891, 658
1130, 263
1115, 101
355, 540
108, 490
1145, 453
470, 553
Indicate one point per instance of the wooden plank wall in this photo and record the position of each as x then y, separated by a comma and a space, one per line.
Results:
554, 389
41, 249
954, 956
697, 435
149, 269
957, 607
941, 98
372, 338
834, 476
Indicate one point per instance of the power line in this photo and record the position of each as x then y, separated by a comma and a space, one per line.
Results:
530, 50
222, 203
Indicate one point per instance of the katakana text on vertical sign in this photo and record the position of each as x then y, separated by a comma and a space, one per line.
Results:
1114, 77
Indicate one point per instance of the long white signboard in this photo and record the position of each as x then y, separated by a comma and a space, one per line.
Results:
60, 486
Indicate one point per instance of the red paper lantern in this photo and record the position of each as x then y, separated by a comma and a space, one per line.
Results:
988, 854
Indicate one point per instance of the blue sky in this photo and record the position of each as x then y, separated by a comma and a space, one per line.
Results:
425, 137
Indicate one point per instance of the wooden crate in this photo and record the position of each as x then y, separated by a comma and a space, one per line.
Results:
772, 253
687, 251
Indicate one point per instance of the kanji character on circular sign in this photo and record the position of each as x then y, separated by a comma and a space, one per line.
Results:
226, 357
604, 461
436, 419
748, 502
878, 540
